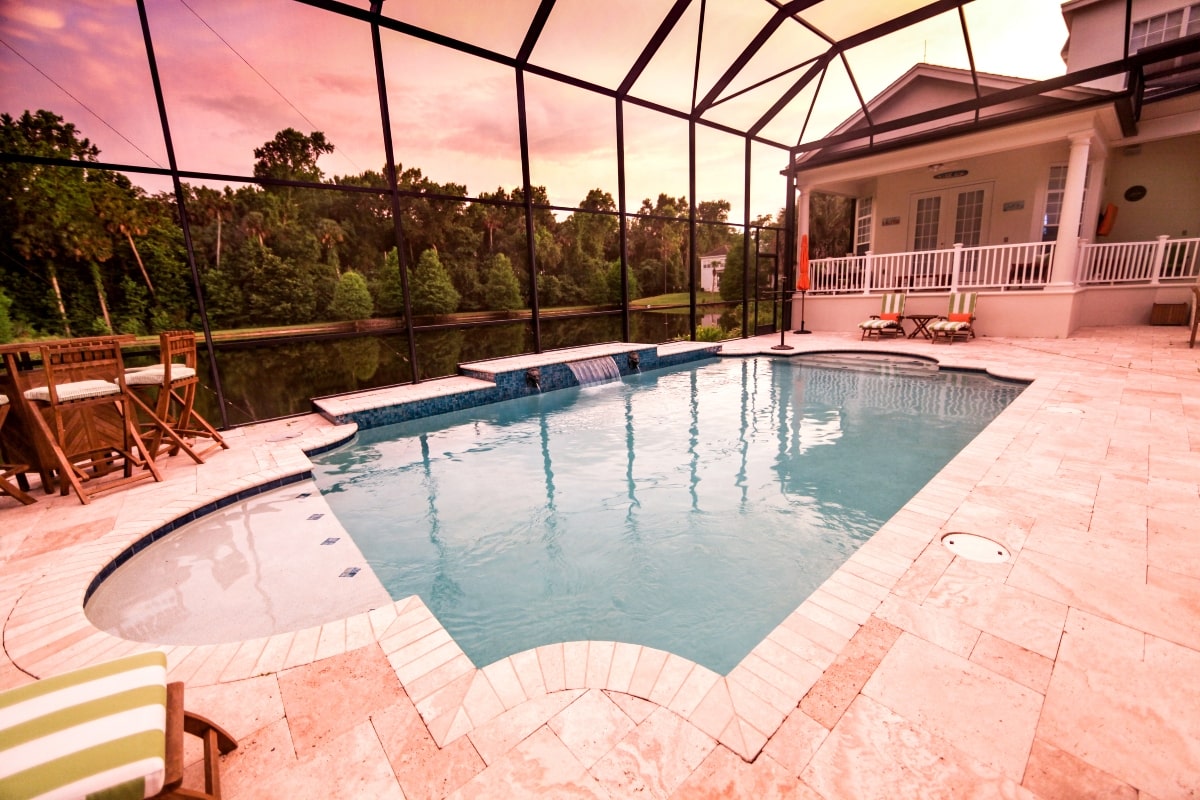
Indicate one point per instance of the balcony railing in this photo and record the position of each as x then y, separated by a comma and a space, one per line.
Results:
1161, 261
1006, 267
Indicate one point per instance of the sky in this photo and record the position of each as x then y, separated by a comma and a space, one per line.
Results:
234, 72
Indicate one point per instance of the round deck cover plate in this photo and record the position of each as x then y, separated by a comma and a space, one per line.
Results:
976, 548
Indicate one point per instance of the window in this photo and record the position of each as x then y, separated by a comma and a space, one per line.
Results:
925, 233
1165, 27
862, 226
1055, 188
968, 218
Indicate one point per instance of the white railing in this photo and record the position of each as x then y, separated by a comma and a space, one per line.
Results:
1161, 261
1006, 267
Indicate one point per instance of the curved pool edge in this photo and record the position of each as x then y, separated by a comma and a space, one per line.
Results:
741, 710
48, 630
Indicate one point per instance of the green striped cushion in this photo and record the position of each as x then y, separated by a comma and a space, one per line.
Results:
153, 375
877, 324
948, 326
97, 729
78, 390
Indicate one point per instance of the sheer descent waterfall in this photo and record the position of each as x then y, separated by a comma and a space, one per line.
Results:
595, 371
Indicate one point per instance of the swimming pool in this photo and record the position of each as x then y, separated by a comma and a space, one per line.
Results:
689, 510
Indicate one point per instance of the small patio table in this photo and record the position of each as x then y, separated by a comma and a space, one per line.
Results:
922, 322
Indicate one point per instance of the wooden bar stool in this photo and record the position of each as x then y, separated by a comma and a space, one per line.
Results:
90, 416
9, 470
169, 388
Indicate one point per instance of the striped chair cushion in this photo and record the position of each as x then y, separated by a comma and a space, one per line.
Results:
948, 326
877, 324
153, 374
78, 390
100, 728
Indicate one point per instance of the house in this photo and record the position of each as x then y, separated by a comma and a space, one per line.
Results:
712, 266
1065, 203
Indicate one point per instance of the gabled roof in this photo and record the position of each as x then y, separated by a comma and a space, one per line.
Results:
931, 93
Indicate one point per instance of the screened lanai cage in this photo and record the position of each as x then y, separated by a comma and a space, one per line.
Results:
341, 196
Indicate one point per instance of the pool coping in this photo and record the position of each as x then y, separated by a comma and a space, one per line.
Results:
49, 632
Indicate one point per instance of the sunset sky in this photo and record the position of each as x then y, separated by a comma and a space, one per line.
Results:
235, 72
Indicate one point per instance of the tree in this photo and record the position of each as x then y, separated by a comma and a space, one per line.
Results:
48, 213
330, 235
731, 287
501, 290
658, 244
6, 326
389, 292
292, 156
431, 288
605, 285
830, 225
351, 298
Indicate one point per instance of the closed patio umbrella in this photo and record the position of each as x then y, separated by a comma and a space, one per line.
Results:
803, 280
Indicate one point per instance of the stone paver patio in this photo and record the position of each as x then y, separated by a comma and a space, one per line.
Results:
1068, 671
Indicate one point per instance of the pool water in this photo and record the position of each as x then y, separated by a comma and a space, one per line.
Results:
689, 510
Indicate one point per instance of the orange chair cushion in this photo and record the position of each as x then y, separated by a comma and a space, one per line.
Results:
891, 317
960, 317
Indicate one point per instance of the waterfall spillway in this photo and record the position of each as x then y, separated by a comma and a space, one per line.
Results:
595, 371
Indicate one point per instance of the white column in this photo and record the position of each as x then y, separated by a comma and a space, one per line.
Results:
1066, 246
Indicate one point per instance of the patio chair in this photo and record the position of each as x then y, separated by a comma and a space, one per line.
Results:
887, 321
90, 416
959, 320
9, 470
113, 729
167, 392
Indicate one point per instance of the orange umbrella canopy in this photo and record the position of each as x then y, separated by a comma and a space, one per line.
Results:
802, 279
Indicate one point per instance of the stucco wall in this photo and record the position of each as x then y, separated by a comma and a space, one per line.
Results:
1013, 177
1170, 172
1032, 314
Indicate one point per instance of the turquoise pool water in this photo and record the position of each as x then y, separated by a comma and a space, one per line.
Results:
689, 510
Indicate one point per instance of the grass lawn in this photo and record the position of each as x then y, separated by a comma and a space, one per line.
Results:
674, 299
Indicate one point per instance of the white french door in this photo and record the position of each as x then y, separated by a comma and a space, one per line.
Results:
942, 219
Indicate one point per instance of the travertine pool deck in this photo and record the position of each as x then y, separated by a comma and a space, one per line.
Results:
1068, 671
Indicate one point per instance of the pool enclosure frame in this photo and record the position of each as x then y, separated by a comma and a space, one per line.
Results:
871, 137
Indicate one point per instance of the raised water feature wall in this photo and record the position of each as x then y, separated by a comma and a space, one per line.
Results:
509, 379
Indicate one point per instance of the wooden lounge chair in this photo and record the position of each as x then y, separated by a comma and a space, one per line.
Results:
959, 320
167, 392
113, 730
887, 321
10, 470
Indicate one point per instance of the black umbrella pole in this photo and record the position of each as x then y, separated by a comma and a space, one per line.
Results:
802, 330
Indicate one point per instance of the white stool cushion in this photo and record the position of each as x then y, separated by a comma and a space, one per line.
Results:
79, 390
3, 399
153, 375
